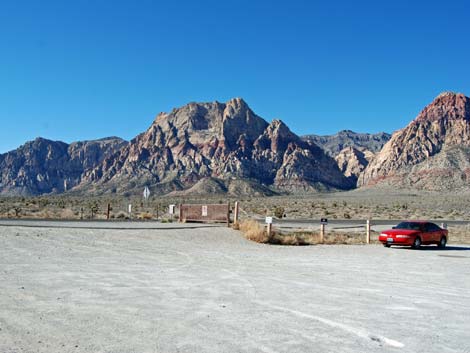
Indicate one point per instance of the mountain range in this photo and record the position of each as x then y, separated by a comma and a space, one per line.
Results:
226, 148
334, 144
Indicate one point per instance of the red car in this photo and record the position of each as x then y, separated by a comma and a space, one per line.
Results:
414, 234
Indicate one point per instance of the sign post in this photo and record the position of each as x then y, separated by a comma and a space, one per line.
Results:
235, 216
269, 223
323, 223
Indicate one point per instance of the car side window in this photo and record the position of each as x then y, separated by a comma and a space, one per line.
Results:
431, 227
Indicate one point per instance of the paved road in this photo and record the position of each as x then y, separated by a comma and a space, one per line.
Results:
209, 290
122, 225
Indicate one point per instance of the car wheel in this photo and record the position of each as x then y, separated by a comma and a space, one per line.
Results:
442, 243
416, 243
387, 245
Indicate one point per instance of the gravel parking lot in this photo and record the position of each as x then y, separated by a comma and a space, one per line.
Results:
151, 287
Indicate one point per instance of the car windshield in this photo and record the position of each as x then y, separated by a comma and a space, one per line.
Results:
408, 225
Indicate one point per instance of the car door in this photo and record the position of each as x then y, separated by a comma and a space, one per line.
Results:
436, 232
426, 234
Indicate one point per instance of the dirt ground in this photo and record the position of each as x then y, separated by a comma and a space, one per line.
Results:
183, 288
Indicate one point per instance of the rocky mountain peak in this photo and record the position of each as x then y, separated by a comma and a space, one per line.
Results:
277, 128
200, 142
237, 104
432, 152
446, 106
447, 94
221, 121
276, 137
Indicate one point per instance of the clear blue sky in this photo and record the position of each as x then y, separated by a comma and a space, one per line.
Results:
73, 70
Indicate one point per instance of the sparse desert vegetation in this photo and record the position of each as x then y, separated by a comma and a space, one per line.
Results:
366, 204
253, 230
354, 205
314, 238
459, 234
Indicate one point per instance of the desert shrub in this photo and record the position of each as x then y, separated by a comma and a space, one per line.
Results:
94, 208
67, 214
289, 239
279, 212
17, 211
45, 214
145, 216
254, 231
43, 203
122, 215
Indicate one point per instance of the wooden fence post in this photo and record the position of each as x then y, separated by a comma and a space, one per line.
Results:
228, 214
322, 233
269, 230
108, 211
368, 231
181, 212
235, 215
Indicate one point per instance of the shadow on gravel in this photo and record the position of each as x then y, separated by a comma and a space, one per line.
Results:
435, 248
447, 248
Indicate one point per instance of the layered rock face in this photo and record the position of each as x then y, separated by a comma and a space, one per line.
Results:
352, 162
432, 152
44, 166
89, 154
221, 143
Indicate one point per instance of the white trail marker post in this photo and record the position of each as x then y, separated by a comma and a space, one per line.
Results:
146, 193
269, 224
